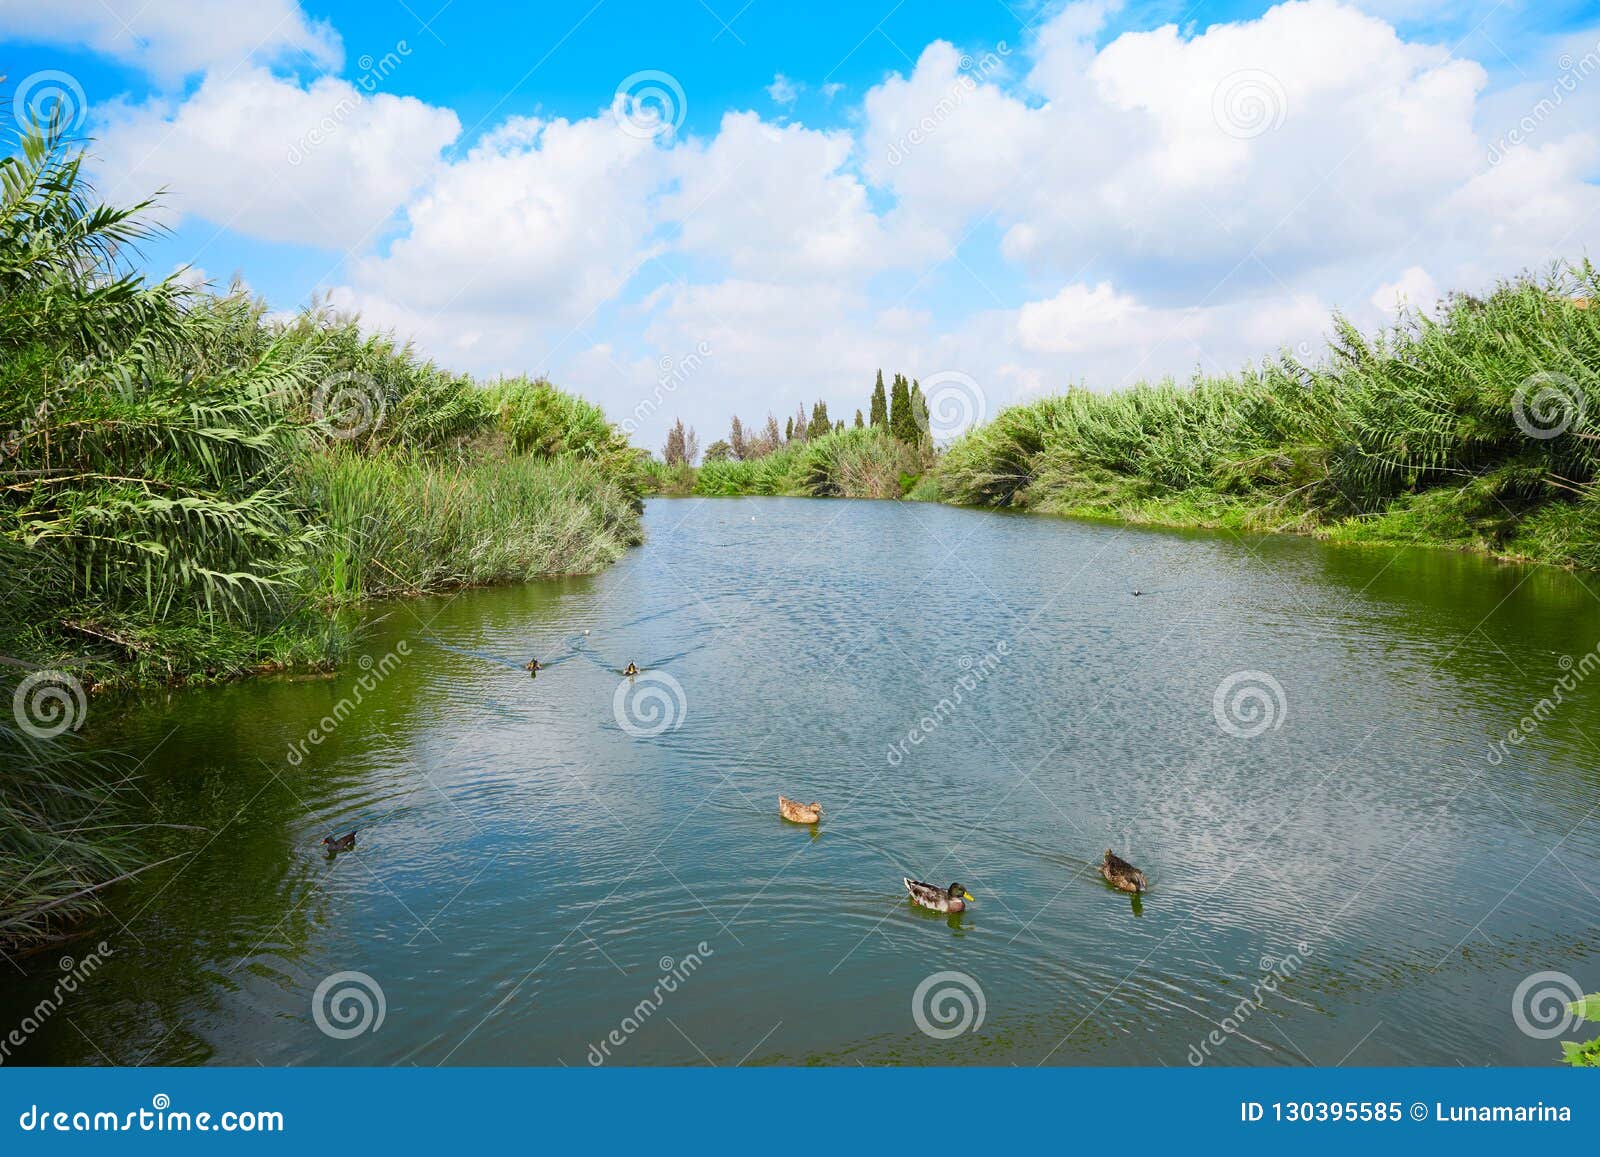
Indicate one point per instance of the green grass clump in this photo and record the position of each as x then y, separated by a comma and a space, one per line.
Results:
849, 463
189, 491
1474, 428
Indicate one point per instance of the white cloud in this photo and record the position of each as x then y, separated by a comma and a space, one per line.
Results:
171, 39
321, 165
783, 90
1413, 289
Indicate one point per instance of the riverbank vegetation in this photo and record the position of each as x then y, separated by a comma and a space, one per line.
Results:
192, 490
1471, 428
811, 456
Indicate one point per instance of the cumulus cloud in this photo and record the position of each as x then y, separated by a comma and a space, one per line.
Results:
783, 90
172, 39
319, 164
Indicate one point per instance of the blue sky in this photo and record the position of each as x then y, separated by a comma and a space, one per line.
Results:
702, 208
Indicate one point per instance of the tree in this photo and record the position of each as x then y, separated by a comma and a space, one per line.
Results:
683, 446
880, 407
919, 412
820, 422
838, 427
673, 451
788, 430
800, 426
719, 451
736, 442
771, 436
859, 422
901, 424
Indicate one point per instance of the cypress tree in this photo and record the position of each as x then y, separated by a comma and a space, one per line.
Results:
820, 422
800, 427
859, 422
838, 427
880, 406
919, 411
901, 424
788, 430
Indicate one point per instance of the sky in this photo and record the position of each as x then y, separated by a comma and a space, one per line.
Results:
715, 207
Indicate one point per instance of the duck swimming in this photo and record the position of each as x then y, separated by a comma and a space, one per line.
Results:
533, 665
1121, 874
952, 899
630, 669
799, 813
337, 844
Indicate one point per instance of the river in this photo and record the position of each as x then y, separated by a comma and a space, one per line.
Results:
1296, 742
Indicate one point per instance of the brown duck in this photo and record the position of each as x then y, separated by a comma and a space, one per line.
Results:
344, 843
800, 813
630, 669
1121, 874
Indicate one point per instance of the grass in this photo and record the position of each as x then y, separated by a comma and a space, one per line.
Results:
190, 491
849, 463
1471, 429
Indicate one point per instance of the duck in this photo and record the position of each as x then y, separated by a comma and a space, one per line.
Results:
800, 813
952, 899
533, 665
1121, 874
630, 669
337, 844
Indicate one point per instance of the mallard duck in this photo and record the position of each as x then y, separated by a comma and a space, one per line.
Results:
1121, 874
800, 813
344, 843
952, 899
533, 665
630, 669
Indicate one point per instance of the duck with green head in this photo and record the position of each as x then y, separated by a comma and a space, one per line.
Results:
955, 898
